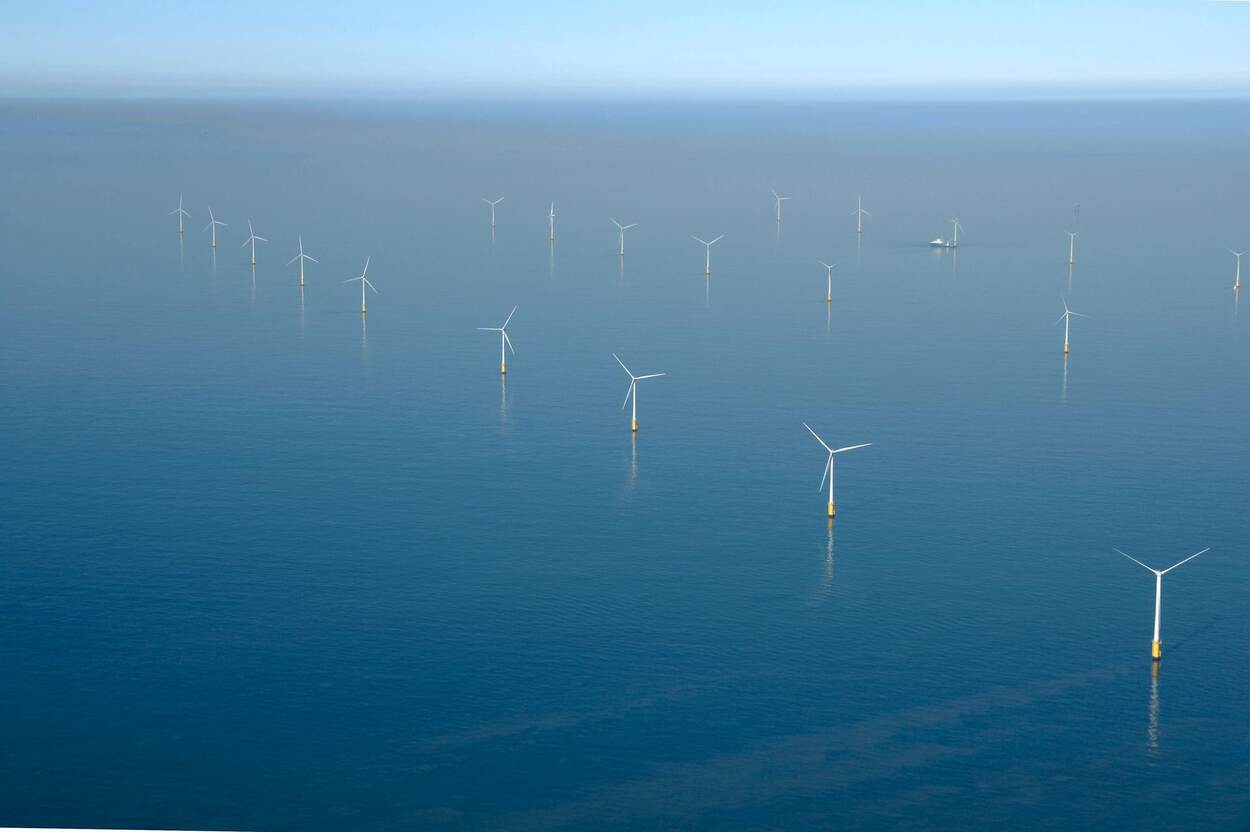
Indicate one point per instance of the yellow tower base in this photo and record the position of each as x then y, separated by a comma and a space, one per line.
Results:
253, 261
503, 369
832, 510
1065, 349
1156, 650
633, 425
363, 309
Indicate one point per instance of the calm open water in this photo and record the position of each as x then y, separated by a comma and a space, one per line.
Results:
264, 568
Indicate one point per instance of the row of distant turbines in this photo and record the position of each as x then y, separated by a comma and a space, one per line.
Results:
631, 393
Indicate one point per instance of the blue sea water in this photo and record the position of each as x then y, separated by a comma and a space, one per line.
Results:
270, 566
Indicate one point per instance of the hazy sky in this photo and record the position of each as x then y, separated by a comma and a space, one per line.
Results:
541, 47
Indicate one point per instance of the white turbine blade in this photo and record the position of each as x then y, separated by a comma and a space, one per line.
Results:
210, 225
851, 448
489, 329
293, 259
784, 198
1061, 317
313, 259
866, 213
649, 375
487, 201
262, 239
828, 465
245, 242
370, 285
1186, 560
366, 269
1136, 561
617, 224
700, 239
351, 280
827, 265
721, 237
628, 391
631, 225
818, 439
509, 318
508, 341
623, 367
1078, 315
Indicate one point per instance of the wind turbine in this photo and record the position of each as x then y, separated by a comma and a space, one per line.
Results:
632, 392
780, 199
859, 213
958, 225
621, 229
1237, 277
829, 464
253, 239
707, 269
492, 204
301, 257
1066, 317
551, 221
364, 281
829, 267
213, 222
1156, 646
181, 213
505, 343
1071, 246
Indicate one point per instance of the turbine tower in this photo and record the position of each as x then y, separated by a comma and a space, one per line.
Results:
621, 229
213, 222
253, 239
859, 213
364, 281
1066, 317
780, 199
1071, 246
492, 204
551, 221
1237, 274
1156, 645
632, 392
829, 464
505, 343
180, 213
707, 268
301, 257
829, 267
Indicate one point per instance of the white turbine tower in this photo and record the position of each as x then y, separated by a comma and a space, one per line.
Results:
1066, 317
829, 267
707, 268
958, 225
505, 343
1237, 274
829, 464
492, 204
1071, 246
181, 213
1156, 645
621, 229
253, 239
779, 199
301, 257
859, 213
551, 221
632, 392
213, 222
364, 281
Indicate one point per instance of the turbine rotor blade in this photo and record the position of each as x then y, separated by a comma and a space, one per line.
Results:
623, 367
1136, 561
818, 439
850, 448
509, 318
628, 392
828, 465
1186, 560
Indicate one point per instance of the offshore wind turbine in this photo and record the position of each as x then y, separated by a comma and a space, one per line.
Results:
1237, 274
829, 267
780, 199
829, 464
1156, 645
213, 222
301, 257
1066, 317
364, 281
505, 343
859, 213
1071, 246
181, 213
492, 204
958, 225
621, 229
551, 221
632, 392
253, 239
707, 268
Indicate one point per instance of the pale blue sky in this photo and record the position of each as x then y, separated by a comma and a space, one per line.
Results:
543, 47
